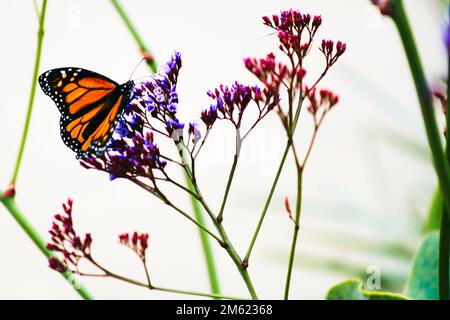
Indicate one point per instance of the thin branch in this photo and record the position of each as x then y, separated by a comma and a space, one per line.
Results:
313, 138
158, 194
230, 175
267, 203
149, 286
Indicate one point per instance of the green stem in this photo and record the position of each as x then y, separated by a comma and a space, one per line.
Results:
37, 61
266, 205
11, 206
142, 47
238, 262
209, 257
290, 131
148, 285
441, 162
36, 9
444, 235
227, 189
198, 294
229, 247
296, 230
433, 219
225, 243
164, 199
231, 174
425, 100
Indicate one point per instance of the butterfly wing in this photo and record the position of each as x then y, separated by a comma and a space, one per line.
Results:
90, 106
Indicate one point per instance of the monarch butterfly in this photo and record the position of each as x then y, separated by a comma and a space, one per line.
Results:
90, 105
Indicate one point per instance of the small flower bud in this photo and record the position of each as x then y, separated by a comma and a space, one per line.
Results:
340, 48
317, 21
56, 265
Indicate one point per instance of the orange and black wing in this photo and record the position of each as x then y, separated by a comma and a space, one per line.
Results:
90, 106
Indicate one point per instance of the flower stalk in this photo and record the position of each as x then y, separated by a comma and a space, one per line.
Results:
295, 234
425, 99
228, 246
149, 59
441, 159
267, 203
295, 32
230, 176
444, 235
37, 62
206, 245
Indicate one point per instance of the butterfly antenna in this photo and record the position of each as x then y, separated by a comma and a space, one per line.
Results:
135, 68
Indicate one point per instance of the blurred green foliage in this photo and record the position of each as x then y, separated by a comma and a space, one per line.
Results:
352, 289
422, 283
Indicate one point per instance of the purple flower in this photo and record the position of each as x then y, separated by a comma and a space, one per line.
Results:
136, 123
158, 96
209, 116
131, 157
194, 132
230, 102
173, 125
122, 129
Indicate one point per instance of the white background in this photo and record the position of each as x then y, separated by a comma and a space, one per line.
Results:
359, 181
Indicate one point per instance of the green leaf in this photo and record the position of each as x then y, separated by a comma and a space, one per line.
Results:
352, 289
422, 283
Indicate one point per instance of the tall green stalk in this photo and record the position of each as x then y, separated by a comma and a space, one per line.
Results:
444, 235
37, 61
228, 246
209, 257
433, 218
267, 203
8, 200
11, 206
440, 160
296, 231
425, 100
141, 44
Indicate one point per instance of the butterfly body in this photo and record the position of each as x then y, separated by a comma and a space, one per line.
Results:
90, 105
